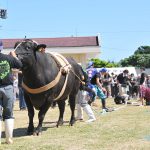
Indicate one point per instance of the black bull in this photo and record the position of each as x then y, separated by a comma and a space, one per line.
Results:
38, 70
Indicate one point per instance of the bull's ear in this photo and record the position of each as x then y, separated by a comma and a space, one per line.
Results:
36, 47
16, 44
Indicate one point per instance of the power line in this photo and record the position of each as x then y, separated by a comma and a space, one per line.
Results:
102, 32
114, 48
129, 31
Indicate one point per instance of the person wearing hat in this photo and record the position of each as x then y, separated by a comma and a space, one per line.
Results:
90, 64
7, 62
41, 48
94, 77
91, 71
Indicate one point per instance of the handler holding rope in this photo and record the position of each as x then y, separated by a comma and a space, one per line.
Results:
7, 62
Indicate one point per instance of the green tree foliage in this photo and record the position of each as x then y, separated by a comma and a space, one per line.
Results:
102, 63
143, 50
140, 58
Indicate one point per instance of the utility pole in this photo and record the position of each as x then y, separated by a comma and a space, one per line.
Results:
3, 13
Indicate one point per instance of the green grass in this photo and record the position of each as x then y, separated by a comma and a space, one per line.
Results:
124, 129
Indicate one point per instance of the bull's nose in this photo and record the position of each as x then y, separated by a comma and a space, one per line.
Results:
19, 57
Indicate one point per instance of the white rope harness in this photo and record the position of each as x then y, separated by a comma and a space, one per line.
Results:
24, 42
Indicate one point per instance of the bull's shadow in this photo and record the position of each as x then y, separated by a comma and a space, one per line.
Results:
19, 132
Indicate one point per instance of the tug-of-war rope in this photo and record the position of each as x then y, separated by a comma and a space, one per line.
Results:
112, 109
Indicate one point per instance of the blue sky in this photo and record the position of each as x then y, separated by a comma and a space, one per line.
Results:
123, 26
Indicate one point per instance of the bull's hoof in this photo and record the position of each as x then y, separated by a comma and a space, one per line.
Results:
37, 133
30, 131
72, 122
59, 123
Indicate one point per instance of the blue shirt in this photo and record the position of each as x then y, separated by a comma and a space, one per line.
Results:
91, 72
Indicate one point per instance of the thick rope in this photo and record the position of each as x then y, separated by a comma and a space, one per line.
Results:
45, 87
77, 76
63, 89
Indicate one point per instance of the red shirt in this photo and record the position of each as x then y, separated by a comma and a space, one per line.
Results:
144, 92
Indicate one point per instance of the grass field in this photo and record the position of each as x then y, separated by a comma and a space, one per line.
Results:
125, 129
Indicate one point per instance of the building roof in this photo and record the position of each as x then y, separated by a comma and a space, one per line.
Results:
58, 42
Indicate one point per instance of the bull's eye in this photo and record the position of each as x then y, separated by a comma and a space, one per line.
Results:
27, 48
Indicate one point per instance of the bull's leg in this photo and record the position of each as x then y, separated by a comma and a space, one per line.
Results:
72, 107
41, 116
30, 108
61, 106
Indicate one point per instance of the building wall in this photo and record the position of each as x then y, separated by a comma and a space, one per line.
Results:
75, 50
80, 54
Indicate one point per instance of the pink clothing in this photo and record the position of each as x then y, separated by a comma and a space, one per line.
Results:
145, 92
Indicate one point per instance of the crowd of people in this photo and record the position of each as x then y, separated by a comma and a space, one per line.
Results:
121, 87
123, 84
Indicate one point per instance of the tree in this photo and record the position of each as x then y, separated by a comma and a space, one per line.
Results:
103, 64
143, 50
140, 58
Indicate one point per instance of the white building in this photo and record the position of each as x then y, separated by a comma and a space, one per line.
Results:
81, 49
